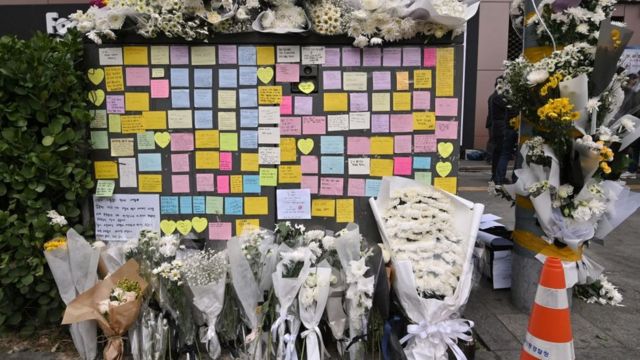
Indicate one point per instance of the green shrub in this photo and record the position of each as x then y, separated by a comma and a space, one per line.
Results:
44, 165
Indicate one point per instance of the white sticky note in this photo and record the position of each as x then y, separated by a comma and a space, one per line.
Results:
179, 119
312, 55
288, 53
359, 120
110, 56
338, 122
269, 135
354, 81
359, 166
269, 115
269, 155
293, 204
127, 171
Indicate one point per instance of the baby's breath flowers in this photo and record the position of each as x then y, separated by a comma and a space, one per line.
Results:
205, 267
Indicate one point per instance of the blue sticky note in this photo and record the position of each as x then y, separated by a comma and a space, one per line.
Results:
185, 205
149, 162
332, 144
421, 162
202, 98
169, 205
332, 164
199, 206
246, 55
204, 119
251, 184
248, 118
372, 187
233, 206
228, 78
248, 139
179, 77
203, 78
248, 97
248, 75
180, 98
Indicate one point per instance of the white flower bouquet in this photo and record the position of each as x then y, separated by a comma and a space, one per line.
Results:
312, 300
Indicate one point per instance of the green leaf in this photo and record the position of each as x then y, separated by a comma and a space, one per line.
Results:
47, 140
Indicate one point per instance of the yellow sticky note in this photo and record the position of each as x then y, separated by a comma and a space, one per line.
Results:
106, 169
160, 55
401, 101
335, 102
207, 160
288, 149
402, 80
344, 210
207, 139
381, 145
154, 120
265, 55
256, 205
290, 174
269, 95
135, 55
113, 78
268, 177
235, 184
114, 123
149, 183
226, 99
249, 162
203, 55
136, 101
229, 141
422, 79
227, 120
380, 102
444, 71
323, 207
381, 167
157, 73
448, 184
243, 225
424, 120
131, 124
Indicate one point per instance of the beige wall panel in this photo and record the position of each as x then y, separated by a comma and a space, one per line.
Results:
493, 35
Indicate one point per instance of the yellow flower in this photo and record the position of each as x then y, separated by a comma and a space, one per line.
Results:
55, 243
514, 122
605, 167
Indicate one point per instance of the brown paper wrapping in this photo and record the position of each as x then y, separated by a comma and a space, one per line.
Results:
85, 307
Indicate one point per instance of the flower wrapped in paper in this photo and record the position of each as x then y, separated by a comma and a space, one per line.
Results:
312, 300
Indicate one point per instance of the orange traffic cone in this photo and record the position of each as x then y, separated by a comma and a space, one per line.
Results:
549, 335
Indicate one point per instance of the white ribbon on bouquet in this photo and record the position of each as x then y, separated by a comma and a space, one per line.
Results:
447, 331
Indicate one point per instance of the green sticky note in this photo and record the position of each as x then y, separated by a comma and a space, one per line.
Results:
268, 177
99, 140
229, 141
423, 177
105, 188
214, 204
99, 119
114, 123
146, 141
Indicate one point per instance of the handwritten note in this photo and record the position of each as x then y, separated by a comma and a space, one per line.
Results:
120, 217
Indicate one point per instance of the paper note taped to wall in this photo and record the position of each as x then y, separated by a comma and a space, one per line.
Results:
121, 217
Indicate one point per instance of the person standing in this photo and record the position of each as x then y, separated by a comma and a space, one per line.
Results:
503, 136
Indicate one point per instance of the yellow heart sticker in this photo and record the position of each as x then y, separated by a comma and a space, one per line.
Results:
168, 226
443, 168
184, 226
307, 87
95, 75
265, 74
199, 224
305, 146
162, 139
445, 149
96, 97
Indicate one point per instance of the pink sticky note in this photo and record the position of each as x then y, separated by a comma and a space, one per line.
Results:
286, 106
391, 56
115, 104
421, 100
223, 184
332, 80
429, 57
331, 186
356, 187
226, 161
447, 129
358, 145
379, 123
290, 126
137, 76
424, 143
359, 101
227, 54
331, 57
179, 162
180, 183
402, 144
401, 123
446, 107
350, 56
181, 141
309, 182
402, 165
303, 105
371, 56
204, 182
309, 164
219, 230
314, 125
411, 56
288, 73
160, 88
381, 80
179, 55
